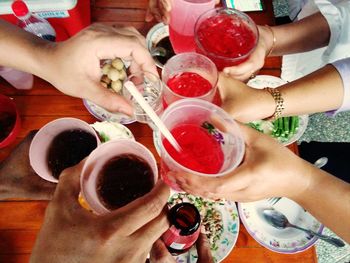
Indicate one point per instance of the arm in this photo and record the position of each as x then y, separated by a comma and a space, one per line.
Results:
296, 37
73, 66
270, 169
323, 90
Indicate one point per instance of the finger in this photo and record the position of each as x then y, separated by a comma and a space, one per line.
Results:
132, 32
152, 231
108, 100
68, 188
203, 249
160, 254
152, 5
139, 212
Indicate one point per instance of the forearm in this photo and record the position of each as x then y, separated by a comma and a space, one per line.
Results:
21, 50
327, 198
307, 34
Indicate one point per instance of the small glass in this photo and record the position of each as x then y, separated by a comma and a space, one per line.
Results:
189, 62
151, 87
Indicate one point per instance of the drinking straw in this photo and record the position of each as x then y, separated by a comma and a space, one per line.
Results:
151, 114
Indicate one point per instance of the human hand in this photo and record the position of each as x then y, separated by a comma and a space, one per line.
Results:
74, 65
160, 253
256, 60
160, 10
18, 179
242, 102
72, 234
268, 169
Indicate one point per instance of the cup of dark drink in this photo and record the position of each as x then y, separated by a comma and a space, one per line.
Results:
60, 144
116, 173
10, 123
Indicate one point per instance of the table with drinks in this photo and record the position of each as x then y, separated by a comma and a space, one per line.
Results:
20, 219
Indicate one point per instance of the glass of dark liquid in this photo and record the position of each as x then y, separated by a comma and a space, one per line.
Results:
116, 173
60, 144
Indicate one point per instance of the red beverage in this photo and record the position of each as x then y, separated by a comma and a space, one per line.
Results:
227, 39
189, 84
201, 152
181, 43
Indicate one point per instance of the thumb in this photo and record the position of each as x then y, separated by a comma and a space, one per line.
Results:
109, 100
203, 248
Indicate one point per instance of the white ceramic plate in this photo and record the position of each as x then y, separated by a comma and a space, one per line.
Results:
289, 240
263, 81
226, 238
112, 130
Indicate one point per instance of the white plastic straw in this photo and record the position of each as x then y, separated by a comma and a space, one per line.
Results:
151, 113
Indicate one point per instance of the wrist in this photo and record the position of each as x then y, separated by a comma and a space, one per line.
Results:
268, 37
41, 59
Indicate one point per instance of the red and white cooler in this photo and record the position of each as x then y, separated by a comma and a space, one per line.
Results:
66, 16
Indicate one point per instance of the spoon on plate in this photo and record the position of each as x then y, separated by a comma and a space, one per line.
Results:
280, 221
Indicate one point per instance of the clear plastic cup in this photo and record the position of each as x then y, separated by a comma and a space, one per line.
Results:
183, 16
219, 125
151, 88
226, 36
18, 79
39, 147
193, 63
96, 161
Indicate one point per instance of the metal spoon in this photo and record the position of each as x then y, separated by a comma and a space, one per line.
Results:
158, 52
280, 221
319, 163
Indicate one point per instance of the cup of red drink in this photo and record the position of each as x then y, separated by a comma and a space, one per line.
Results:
116, 173
189, 75
211, 141
60, 144
10, 123
183, 16
226, 36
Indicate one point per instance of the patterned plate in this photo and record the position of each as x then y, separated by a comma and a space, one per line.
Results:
289, 240
156, 33
226, 239
262, 81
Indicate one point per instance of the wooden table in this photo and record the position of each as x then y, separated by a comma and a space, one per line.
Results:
20, 220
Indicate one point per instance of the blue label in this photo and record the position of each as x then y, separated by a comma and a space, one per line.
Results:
50, 14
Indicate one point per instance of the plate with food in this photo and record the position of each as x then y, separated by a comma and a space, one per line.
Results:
288, 240
220, 220
114, 73
285, 129
108, 131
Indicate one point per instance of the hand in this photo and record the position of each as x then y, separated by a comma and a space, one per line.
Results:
268, 169
256, 60
244, 103
159, 252
160, 10
18, 179
74, 65
72, 234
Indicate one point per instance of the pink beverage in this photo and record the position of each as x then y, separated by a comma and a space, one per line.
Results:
201, 151
226, 36
183, 16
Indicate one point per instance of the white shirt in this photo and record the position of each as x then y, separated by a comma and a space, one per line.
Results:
337, 14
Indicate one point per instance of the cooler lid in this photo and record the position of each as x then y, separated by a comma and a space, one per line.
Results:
39, 5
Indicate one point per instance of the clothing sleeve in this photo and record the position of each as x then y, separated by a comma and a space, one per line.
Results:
343, 67
337, 14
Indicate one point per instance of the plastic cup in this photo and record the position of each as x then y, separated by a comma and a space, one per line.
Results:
226, 36
183, 16
10, 122
151, 88
189, 62
38, 151
96, 161
18, 79
221, 126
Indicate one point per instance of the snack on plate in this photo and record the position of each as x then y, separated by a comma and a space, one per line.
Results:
283, 128
113, 74
112, 130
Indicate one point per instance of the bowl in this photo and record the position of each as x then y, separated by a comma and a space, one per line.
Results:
10, 123
158, 36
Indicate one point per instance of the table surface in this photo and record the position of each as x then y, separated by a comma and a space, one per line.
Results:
20, 220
